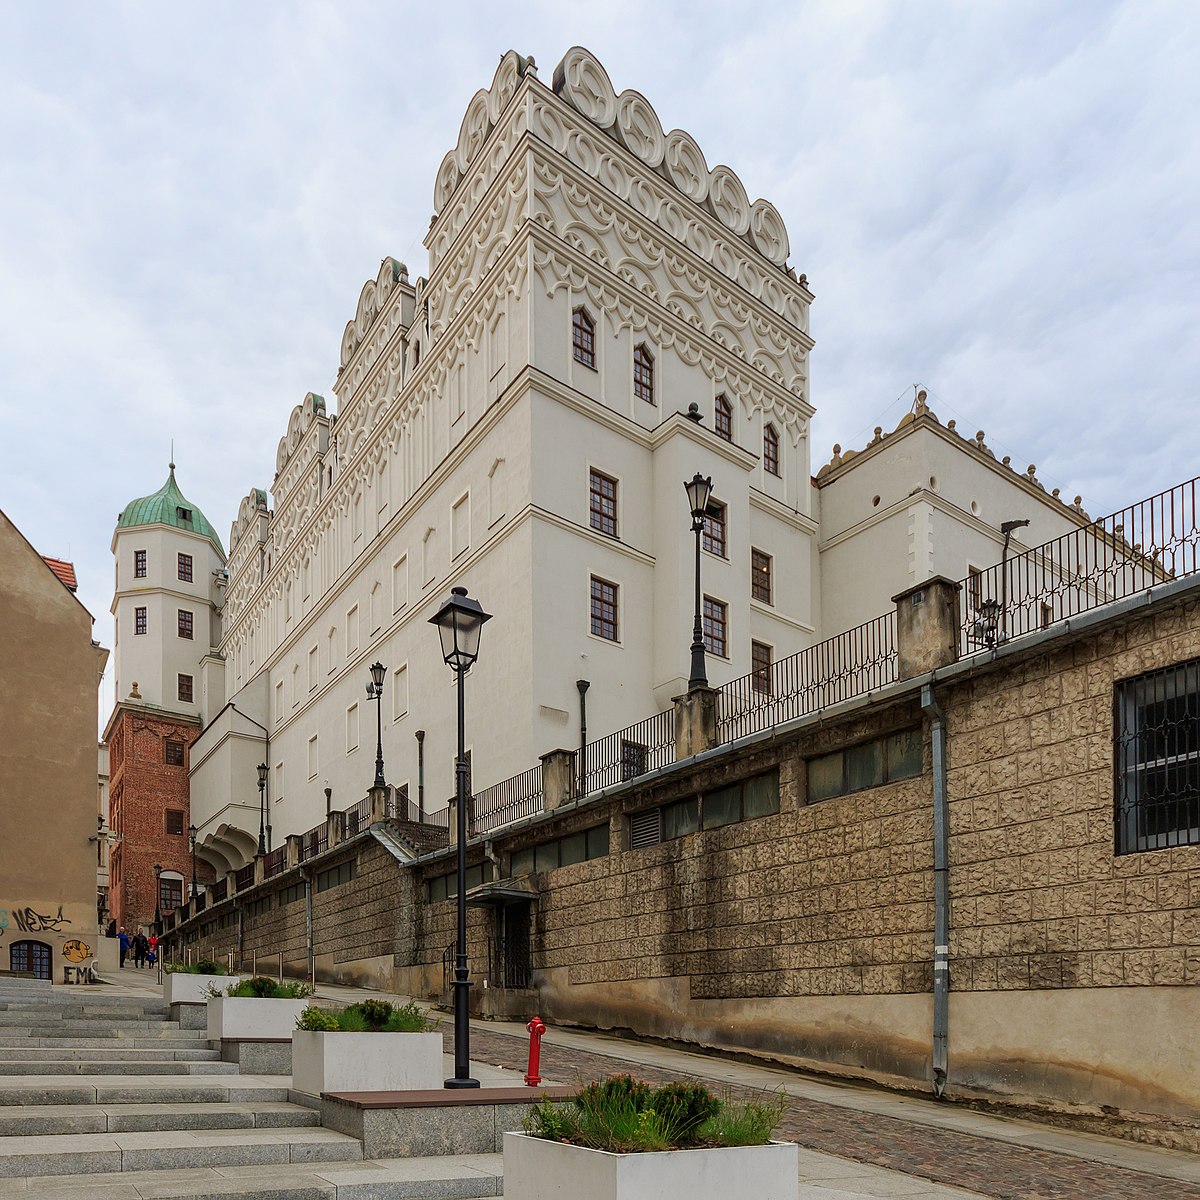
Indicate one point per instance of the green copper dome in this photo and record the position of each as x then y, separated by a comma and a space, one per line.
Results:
168, 506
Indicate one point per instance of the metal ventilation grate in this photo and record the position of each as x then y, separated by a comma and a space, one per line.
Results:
645, 829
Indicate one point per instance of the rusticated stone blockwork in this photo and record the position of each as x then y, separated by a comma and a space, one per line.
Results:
1039, 897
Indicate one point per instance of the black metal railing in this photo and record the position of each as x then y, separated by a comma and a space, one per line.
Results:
314, 842
244, 877
1146, 543
275, 863
507, 801
357, 817
630, 752
861, 660
220, 890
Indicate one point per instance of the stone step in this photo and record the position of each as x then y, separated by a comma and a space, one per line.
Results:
89, 1029
110, 1054
139, 1118
115, 1066
138, 1089
90, 1153
22, 1016
453, 1177
185, 1039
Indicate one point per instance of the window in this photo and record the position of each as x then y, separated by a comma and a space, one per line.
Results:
185, 568
139, 620
185, 688
755, 797
400, 692
352, 631
443, 887
174, 818
604, 609
352, 728
139, 564
633, 760
256, 908
974, 586
173, 753
170, 893
314, 764
460, 526
184, 514
185, 624
335, 876
715, 627
712, 537
399, 583
583, 338
760, 667
279, 701
579, 847
643, 375
1157, 753
1047, 615
314, 667
291, 894
723, 418
602, 496
356, 517
375, 608
771, 450
867, 765
760, 576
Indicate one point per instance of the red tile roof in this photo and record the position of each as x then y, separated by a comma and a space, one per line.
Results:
64, 570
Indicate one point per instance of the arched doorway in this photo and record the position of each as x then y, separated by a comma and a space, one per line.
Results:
32, 957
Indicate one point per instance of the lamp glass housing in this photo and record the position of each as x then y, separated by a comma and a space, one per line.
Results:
262, 774
378, 670
699, 490
460, 623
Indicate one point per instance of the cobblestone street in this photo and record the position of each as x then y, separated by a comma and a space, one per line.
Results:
974, 1163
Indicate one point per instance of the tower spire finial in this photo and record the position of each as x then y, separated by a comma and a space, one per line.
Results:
171, 464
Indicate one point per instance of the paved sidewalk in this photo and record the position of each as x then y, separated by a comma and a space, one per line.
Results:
856, 1140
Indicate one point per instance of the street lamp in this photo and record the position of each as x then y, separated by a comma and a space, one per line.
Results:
375, 692
158, 899
262, 807
192, 837
460, 622
698, 489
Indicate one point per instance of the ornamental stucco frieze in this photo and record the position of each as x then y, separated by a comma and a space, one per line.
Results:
372, 301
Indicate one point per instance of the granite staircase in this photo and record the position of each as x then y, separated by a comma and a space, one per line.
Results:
102, 1097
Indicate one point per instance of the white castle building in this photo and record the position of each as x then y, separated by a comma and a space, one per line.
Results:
520, 422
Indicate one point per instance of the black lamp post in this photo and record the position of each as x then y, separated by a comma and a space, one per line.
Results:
158, 899
460, 622
192, 837
262, 808
375, 692
699, 489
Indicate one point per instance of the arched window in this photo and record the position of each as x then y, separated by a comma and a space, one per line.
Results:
771, 449
583, 338
723, 418
29, 957
643, 374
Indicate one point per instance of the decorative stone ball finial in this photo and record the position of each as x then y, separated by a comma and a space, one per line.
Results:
693, 413
952, 425
134, 694
1007, 460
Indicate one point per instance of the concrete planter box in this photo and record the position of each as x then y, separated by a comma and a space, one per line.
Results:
365, 1062
249, 1018
537, 1169
179, 988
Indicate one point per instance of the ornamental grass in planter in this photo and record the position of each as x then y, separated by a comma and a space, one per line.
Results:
257, 1009
372, 1046
620, 1138
190, 983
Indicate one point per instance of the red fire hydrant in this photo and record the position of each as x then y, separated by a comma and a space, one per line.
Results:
536, 1028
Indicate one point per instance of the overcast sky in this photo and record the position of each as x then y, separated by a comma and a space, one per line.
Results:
1000, 200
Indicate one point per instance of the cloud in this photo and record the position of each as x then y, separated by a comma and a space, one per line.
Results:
994, 199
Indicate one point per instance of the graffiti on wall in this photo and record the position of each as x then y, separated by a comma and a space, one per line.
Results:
29, 920
76, 951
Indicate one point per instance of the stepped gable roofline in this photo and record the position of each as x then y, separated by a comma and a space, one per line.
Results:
169, 506
921, 416
629, 119
253, 503
310, 409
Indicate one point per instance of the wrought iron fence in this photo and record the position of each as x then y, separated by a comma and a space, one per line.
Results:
505, 802
1149, 542
314, 842
275, 863
244, 877
220, 890
861, 660
357, 817
630, 752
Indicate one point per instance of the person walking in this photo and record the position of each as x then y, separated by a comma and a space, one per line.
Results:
139, 949
123, 939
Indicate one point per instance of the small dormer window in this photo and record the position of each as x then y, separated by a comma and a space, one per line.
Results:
184, 514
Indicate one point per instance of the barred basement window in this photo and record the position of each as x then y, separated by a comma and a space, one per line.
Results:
583, 337
723, 418
173, 753
1157, 753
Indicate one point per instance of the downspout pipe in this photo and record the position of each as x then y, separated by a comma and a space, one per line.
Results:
941, 892
308, 927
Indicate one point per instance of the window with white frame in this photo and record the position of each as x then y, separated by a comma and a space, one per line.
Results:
352, 631
460, 525
314, 764
279, 701
399, 583
352, 728
314, 667
376, 608
1157, 757
400, 692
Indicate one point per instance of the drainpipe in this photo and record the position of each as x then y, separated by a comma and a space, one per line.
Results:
941, 892
420, 736
582, 685
308, 927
